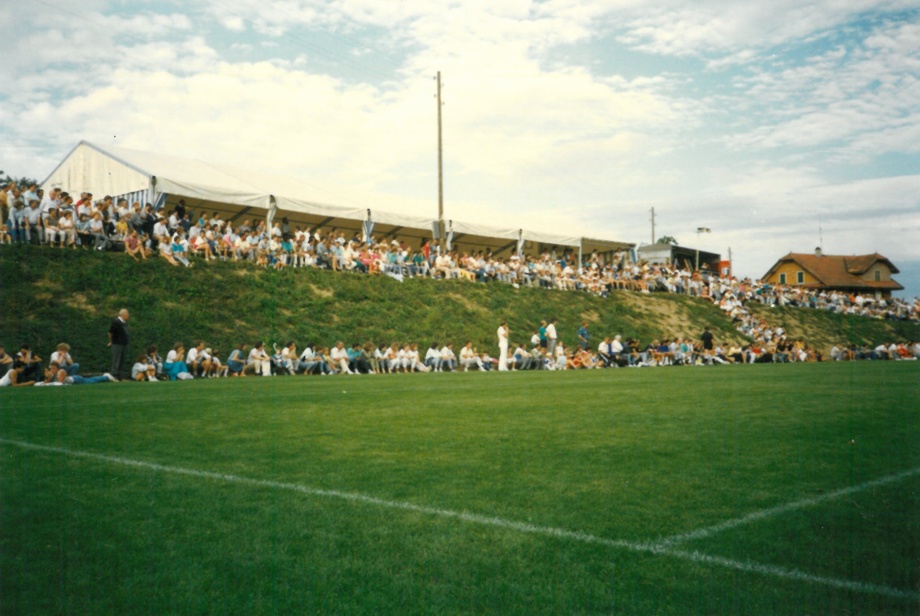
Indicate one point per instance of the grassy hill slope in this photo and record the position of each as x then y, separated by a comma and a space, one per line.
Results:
50, 295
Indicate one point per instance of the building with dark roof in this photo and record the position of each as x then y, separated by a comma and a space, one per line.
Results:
865, 274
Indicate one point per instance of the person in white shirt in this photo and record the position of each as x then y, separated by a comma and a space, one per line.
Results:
160, 231
288, 357
551, 338
503, 333
394, 360
143, 371
441, 266
66, 230
217, 369
468, 357
559, 356
339, 356
197, 363
174, 366
63, 359
448, 359
433, 357
379, 361
415, 363
310, 363
31, 219
605, 352
50, 202
29, 194
260, 360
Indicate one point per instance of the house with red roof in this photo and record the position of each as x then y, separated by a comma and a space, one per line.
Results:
864, 274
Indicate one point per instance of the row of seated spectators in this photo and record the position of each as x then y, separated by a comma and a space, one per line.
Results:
200, 361
141, 232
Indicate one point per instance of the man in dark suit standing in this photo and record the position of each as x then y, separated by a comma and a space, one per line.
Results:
118, 341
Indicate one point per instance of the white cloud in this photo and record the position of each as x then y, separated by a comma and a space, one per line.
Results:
706, 27
858, 98
234, 23
555, 147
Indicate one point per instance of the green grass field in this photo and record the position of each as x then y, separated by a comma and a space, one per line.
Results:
774, 489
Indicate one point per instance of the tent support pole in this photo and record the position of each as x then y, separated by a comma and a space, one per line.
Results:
240, 214
391, 233
510, 244
272, 209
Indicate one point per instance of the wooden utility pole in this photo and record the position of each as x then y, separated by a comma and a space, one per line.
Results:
440, 167
653, 225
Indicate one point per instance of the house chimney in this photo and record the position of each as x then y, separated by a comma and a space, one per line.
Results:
818, 251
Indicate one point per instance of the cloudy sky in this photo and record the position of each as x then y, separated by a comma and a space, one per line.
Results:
779, 125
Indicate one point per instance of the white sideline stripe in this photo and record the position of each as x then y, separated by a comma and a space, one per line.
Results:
522, 527
757, 516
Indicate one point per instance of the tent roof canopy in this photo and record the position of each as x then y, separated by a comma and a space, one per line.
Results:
115, 170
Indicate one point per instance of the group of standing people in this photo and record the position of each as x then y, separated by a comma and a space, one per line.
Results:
546, 338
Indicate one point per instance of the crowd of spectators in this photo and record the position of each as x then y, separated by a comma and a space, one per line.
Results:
182, 237
543, 351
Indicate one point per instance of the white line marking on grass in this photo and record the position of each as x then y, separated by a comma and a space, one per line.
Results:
522, 527
757, 516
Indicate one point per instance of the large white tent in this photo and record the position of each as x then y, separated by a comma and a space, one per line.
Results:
235, 193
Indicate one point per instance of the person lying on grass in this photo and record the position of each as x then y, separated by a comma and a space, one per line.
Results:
14, 378
55, 375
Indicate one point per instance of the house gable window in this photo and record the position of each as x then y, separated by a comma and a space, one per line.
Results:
782, 278
800, 277
878, 275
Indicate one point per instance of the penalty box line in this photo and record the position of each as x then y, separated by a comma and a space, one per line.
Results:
763, 514
473, 518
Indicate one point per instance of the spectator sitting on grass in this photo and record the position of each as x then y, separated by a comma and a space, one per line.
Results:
134, 246
521, 359
81, 227
307, 363
165, 250
32, 223
433, 357
177, 248
67, 229
217, 370
52, 231
33, 363
154, 359
236, 362
175, 367
200, 245
605, 352
98, 232
197, 364
160, 231
358, 359
289, 357
448, 359
340, 358
259, 360
415, 361
143, 371
62, 358
469, 357
377, 356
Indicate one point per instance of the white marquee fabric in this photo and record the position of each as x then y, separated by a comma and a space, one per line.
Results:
549, 238
483, 230
113, 170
